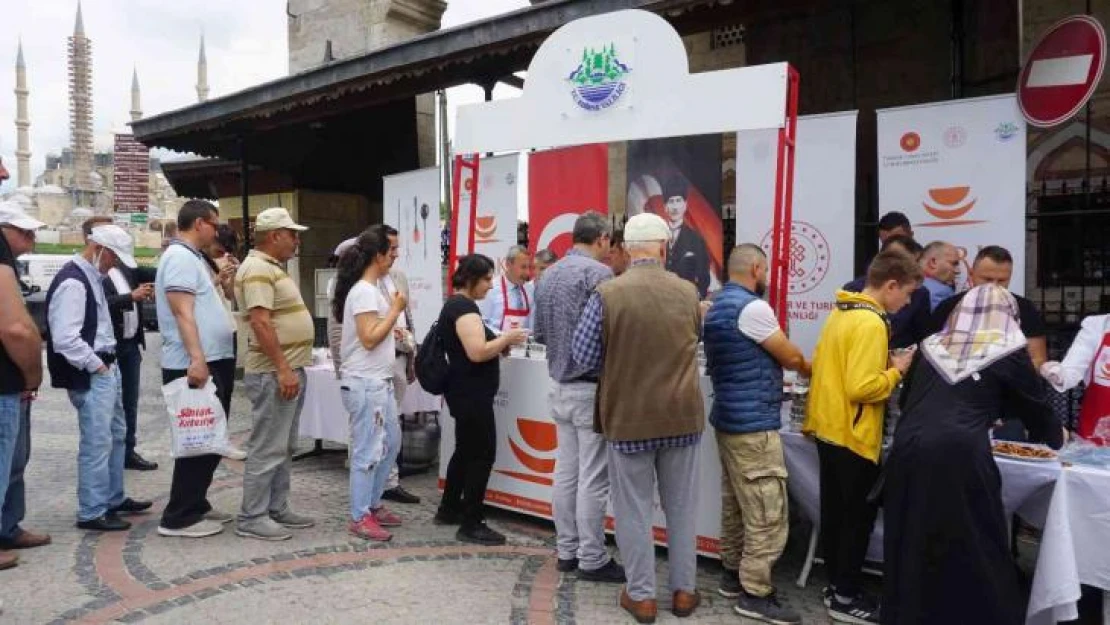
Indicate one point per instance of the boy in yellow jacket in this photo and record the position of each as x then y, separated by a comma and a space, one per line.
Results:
853, 375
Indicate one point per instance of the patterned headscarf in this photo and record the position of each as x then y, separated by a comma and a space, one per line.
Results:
982, 329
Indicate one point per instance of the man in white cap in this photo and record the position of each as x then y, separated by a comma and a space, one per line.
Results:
81, 356
639, 334
279, 347
20, 377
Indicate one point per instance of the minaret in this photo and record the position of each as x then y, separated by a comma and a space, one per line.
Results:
202, 74
136, 107
80, 104
22, 122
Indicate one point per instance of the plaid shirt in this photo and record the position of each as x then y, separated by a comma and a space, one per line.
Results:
587, 349
560, 296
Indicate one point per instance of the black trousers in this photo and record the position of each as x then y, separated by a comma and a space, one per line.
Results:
475, 451
130, 361
192, 476
847, 518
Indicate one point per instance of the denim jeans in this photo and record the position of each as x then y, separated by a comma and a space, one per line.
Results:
101, 448
375, 440
15, 501
10, 408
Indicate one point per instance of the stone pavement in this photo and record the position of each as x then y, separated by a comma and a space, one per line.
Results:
322, 575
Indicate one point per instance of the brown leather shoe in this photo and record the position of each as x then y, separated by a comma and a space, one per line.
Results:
685, 603
8, 560
643, 611
26, 540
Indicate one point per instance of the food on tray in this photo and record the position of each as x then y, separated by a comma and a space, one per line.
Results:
1018, 450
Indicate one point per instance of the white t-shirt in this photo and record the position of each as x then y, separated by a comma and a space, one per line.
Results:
359, 362
757, 321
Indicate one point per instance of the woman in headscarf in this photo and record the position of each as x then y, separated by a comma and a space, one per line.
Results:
946, 549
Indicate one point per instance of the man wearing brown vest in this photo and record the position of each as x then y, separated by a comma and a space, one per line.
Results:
640, 333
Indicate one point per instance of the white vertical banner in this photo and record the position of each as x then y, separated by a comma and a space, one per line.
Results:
495, 222
957, 170
411, 205
822, 242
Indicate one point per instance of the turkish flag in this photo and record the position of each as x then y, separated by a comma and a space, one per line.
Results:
563, 184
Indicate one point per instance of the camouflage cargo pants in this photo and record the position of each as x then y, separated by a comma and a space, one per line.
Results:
754, 519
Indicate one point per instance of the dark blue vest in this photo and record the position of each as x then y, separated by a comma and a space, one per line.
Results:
63, 374
747, 381
11, 376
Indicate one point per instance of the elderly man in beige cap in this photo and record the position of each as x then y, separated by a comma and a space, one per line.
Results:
639, 333
279, 346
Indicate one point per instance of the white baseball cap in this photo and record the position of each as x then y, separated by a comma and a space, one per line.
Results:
116, 239
276, 219
344, 246
12, 214
646, 227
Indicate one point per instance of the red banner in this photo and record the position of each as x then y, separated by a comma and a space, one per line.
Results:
563, 184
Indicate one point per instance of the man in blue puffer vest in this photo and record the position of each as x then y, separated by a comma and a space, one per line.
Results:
746, 352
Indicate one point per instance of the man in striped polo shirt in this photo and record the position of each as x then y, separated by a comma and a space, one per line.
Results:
279, 347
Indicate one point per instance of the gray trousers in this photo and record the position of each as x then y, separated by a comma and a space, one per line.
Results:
581, 489
274, 425
400, 385
633, 477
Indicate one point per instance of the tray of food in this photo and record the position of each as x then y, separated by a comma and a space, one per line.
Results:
1023, 451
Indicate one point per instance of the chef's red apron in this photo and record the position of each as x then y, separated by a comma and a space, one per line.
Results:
1096, 399
513, 318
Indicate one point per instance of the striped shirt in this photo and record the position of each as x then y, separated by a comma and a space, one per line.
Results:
261, 282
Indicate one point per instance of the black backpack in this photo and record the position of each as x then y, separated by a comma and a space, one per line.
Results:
432, 363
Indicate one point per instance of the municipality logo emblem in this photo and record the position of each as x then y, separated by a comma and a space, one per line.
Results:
1006, 131
598, 81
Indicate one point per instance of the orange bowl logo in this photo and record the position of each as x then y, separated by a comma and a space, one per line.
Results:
948, 205
910, 141
1106, 368
947, 200
536, 436
485, 226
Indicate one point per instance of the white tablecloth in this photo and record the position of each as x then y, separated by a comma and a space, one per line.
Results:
324, 416
1075, 545
1026, 486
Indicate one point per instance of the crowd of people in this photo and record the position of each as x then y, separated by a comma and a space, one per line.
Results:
621, 335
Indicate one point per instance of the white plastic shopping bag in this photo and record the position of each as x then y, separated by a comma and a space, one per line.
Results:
198, 425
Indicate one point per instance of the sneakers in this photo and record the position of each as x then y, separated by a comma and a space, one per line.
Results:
861, 610
567, 566
609, 573
234, 453
386, 517
262, 529
218, 517
292, 520
766, 609
200, 529
480, 534
729, 586
827, 595
369, 529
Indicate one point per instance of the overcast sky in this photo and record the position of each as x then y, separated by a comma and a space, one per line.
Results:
245, 40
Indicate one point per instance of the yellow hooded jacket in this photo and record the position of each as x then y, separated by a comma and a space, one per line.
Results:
851, 379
